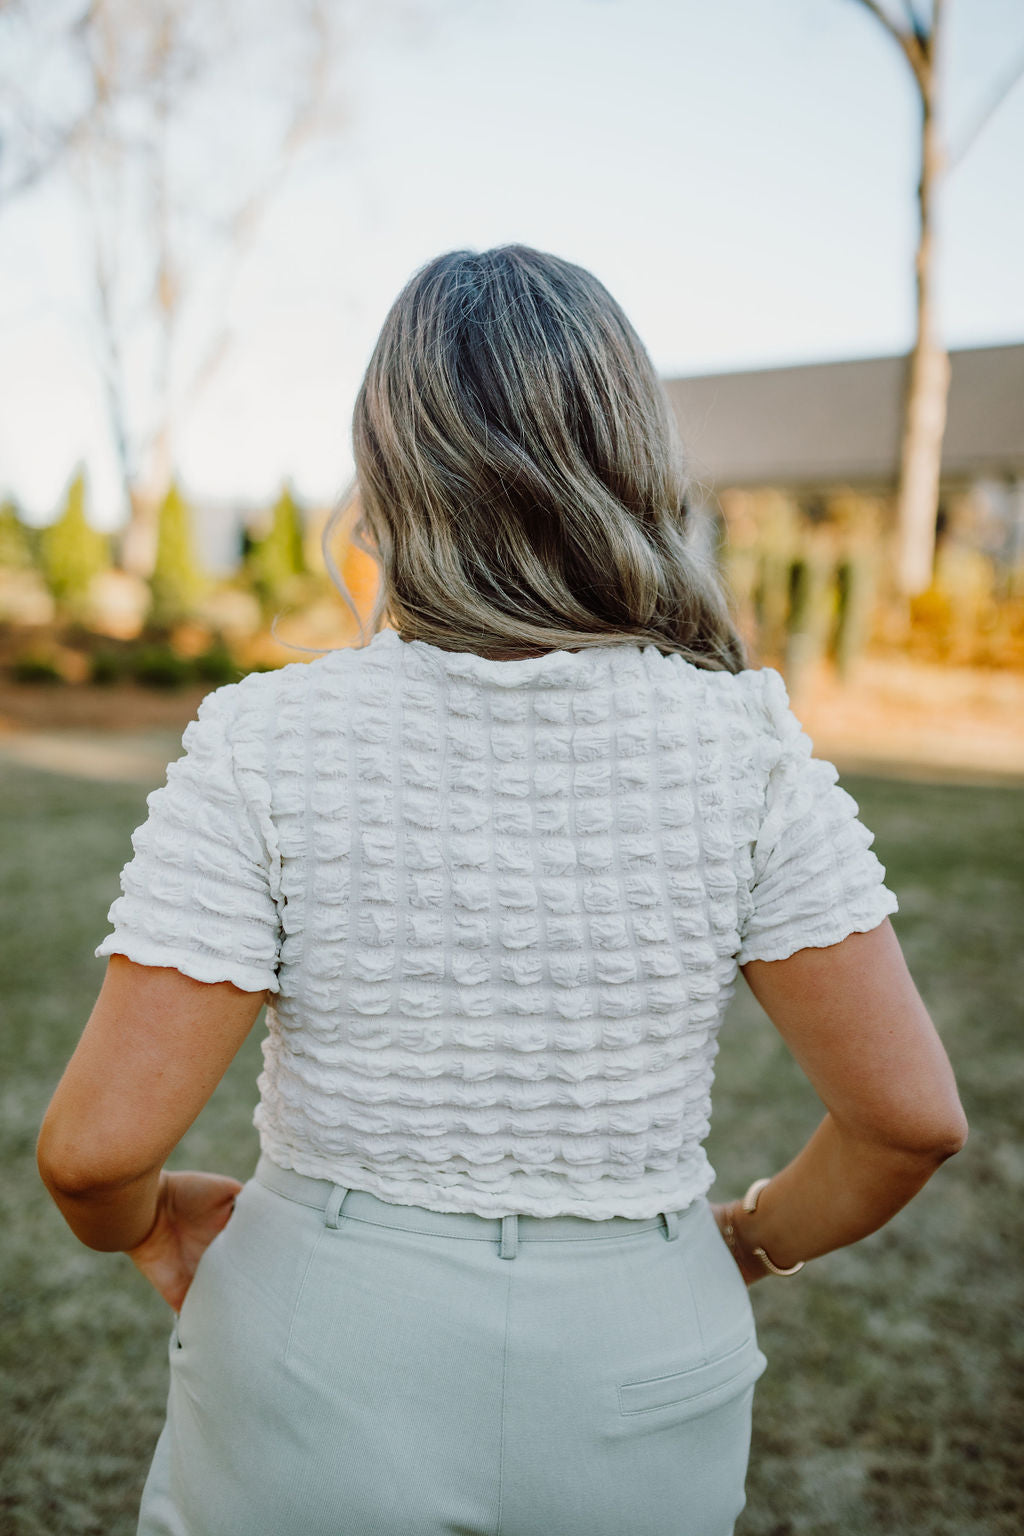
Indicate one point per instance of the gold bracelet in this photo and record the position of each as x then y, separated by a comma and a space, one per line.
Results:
749, 1204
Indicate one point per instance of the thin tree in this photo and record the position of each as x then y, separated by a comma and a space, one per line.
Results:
926, 389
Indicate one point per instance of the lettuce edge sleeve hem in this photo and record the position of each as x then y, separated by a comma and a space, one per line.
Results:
781, 946
248, 978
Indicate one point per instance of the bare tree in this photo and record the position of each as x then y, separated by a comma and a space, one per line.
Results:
140, 85
927, 382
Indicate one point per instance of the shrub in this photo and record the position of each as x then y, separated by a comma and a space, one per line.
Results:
157, 666
35, 669
107, 666
856, 598
216, 665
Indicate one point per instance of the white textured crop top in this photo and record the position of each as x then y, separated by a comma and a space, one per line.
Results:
498, 908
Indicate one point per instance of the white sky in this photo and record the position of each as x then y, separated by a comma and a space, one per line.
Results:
740, 174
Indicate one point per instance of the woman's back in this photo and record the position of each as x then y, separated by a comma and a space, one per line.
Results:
500, 906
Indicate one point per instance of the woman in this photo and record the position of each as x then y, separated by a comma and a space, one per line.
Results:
494, 874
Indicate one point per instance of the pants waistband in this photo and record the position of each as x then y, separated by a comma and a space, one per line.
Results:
336, 1200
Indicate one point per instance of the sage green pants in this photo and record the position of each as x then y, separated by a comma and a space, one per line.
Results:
342, 1366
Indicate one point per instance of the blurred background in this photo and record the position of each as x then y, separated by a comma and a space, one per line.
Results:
805, 207
811, 211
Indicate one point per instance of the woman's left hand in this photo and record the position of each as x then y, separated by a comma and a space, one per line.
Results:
191, 1209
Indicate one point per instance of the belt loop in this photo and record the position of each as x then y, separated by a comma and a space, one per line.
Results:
332, 1210
671, 1220
509, 1236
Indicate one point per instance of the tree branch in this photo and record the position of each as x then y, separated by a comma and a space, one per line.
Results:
917, 26
913, 45
1002, 89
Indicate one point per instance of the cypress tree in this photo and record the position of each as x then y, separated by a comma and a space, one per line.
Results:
72, 551
274, 561
17, 545
177, 581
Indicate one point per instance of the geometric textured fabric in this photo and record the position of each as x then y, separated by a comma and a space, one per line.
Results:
498, 908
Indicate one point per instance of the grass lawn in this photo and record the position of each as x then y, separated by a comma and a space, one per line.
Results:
892, 1402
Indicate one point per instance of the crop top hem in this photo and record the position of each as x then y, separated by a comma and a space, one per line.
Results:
638, 1199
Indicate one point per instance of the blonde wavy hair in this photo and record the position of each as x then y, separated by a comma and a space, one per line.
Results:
519, 476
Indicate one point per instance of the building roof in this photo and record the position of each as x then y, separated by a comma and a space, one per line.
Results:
839, 423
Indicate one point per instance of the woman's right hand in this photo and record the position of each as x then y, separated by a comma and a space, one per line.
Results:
192, 1208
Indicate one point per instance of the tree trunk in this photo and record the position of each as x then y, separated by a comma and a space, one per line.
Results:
139, 534
927, 383
137, 537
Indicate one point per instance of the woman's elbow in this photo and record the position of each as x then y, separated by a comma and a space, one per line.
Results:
934, 1140
66, 1169
59, 1176
909, 1133
952, 1129
955, 1138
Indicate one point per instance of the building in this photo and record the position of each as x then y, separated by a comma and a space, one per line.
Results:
818, 428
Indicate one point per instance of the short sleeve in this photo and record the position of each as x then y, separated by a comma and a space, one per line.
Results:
198, 893
815, 878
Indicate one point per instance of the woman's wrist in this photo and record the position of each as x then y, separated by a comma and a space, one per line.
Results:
838, 1189
779, 1261
745, 1237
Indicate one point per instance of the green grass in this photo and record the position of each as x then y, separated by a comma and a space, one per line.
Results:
892, 1403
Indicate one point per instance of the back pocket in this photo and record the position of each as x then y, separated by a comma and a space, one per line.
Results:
701, 1387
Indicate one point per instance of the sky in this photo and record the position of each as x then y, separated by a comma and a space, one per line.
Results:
739, 174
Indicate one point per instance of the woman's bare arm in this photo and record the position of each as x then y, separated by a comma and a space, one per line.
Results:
154, 1048
857, 1026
